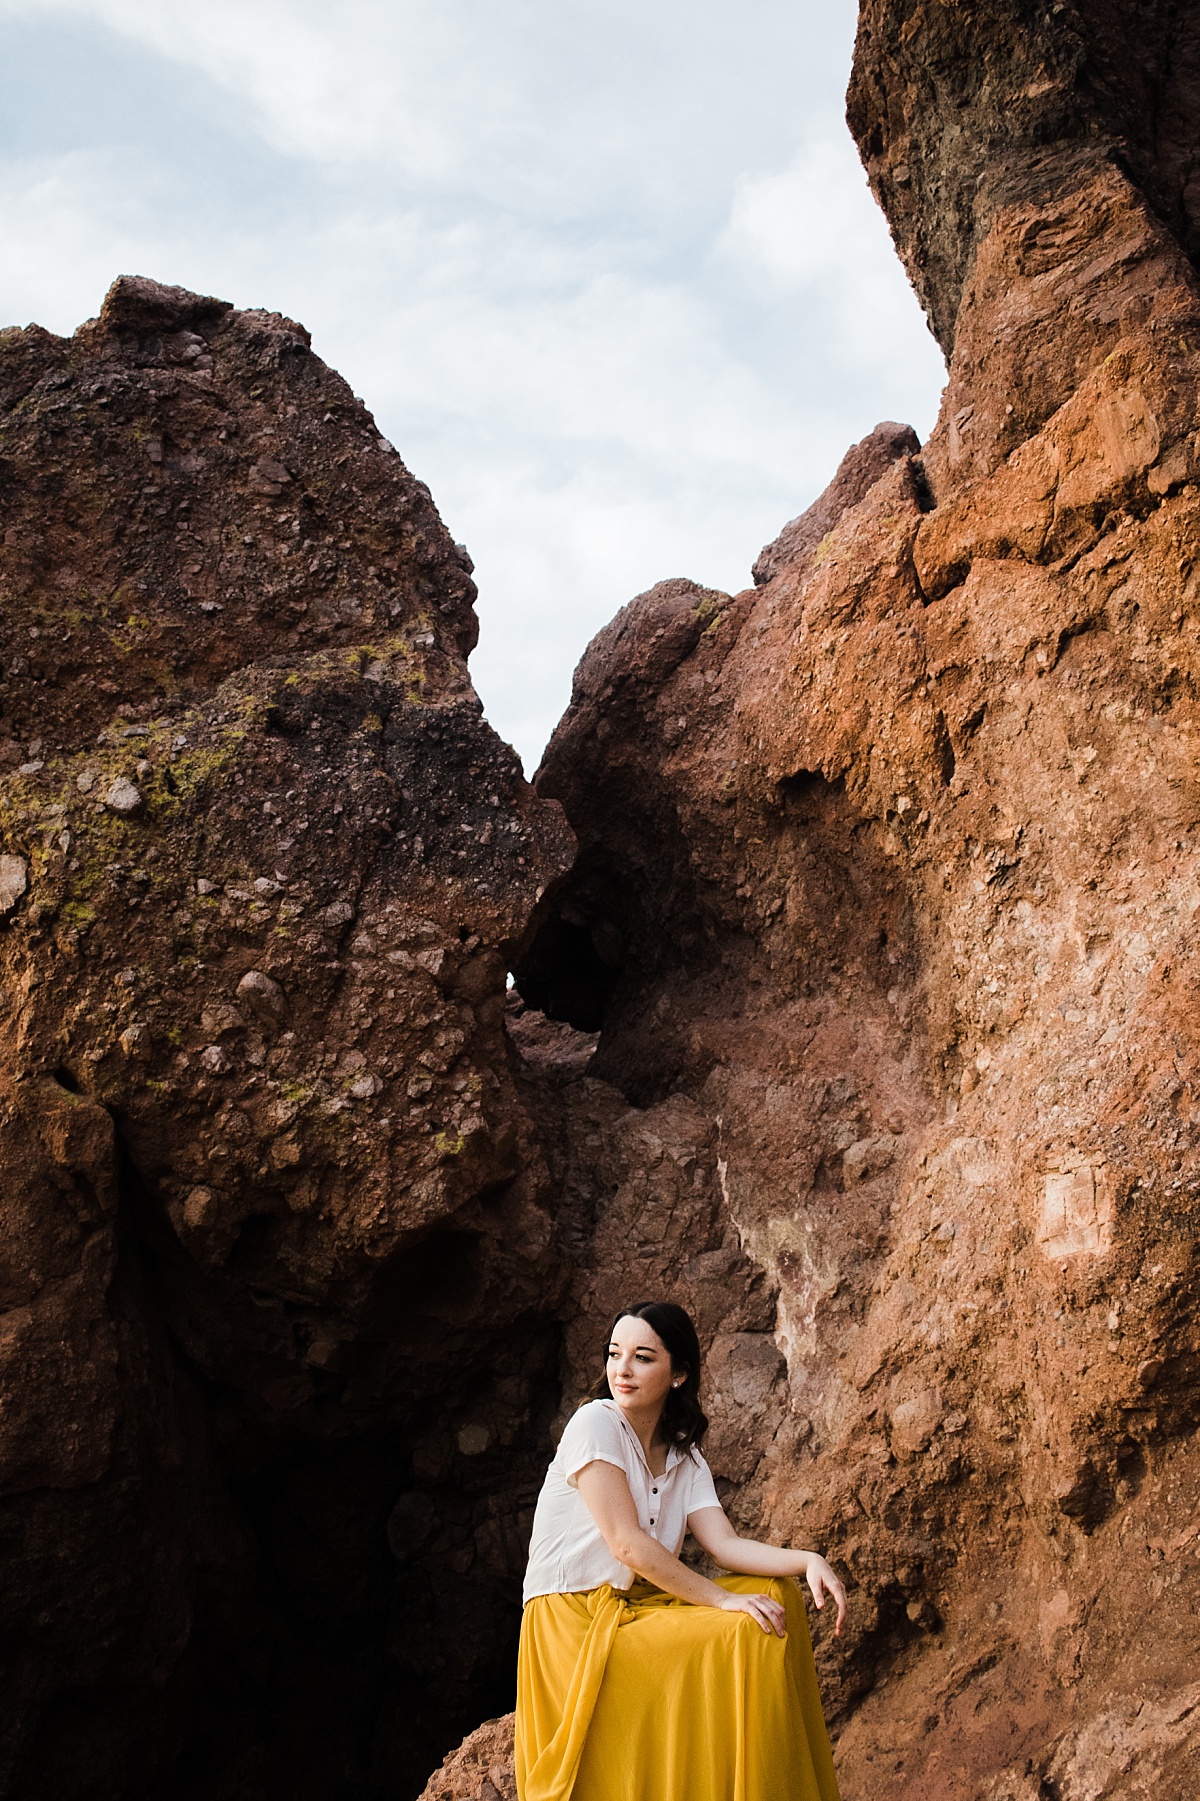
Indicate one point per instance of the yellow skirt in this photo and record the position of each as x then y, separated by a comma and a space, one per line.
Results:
640, 1697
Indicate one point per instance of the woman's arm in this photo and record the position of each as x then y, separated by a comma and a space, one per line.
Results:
713, 1532
606, 1491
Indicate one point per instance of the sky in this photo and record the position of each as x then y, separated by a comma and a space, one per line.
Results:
607, 272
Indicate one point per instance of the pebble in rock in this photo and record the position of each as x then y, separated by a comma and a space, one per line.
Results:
14, 879
264, 997
124, 796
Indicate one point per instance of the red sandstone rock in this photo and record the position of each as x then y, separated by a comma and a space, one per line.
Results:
863, 1021
961, 110
897, 854
480, 1770
861, 467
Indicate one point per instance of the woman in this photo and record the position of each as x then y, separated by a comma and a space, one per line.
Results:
639, 1679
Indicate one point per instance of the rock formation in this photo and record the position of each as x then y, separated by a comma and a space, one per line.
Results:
856, 1010
480, 1769
271, 1201
886, 880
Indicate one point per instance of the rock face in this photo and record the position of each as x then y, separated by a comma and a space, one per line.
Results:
271, 1201
884, 910
859, 470
962, 109
480, 1770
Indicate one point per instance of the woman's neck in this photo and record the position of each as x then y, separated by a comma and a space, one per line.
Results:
646, 1425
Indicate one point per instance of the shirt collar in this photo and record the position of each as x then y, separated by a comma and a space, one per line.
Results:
674, 1454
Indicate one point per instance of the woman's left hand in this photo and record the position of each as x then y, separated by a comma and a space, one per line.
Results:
822, 1581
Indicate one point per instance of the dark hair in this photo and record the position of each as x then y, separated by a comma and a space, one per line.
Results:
684, 1420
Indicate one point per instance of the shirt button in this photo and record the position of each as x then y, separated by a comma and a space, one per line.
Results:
653, 1491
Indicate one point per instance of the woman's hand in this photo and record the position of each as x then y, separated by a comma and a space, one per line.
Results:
768, 1612
715, 1535
822, 1581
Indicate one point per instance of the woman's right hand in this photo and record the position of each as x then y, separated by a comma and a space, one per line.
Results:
763, 1608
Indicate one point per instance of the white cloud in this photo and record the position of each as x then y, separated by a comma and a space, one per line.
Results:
338, 83
813, 229
606, 272
533, 100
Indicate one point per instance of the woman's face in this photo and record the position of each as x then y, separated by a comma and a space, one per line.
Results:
639, 1367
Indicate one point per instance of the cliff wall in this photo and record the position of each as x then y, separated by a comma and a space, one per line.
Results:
887, 878
278, 1265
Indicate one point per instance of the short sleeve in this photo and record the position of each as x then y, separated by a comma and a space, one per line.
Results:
592, 1436
702, 1491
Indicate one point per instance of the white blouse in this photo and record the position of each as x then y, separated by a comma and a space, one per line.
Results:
567, 1553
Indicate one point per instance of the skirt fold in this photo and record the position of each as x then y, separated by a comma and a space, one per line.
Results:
641, 1697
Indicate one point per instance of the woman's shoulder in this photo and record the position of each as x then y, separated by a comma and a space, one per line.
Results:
698, 1465
594, 1416
593, 1431
594, 1420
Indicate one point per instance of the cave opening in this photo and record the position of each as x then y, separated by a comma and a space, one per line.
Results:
618, 941
564, 976
586, 945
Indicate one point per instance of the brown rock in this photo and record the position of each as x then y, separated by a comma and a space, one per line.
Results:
885, 886
331, 1206
861, 467
264, 998
960, 111
863, 1020
480, 1770
136, 304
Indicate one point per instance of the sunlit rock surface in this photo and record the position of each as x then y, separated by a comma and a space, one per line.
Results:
886, 886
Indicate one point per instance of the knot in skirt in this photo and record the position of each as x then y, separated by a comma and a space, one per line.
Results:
636, 1696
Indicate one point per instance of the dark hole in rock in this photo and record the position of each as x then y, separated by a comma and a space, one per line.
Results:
808, 789
564, 975
943, 749
253, 1248
804, 782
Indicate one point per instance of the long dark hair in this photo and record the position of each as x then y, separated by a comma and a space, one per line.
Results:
684, 1420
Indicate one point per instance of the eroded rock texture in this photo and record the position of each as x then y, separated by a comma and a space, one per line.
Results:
962, 109
885, 910
278, 1267
481, 1769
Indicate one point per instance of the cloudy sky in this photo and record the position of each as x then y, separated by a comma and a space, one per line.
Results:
606, 271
